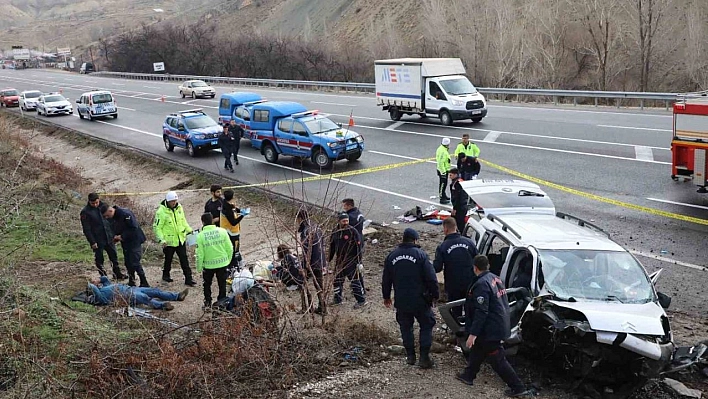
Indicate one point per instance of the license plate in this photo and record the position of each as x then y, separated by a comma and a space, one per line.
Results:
216, 142
477, 112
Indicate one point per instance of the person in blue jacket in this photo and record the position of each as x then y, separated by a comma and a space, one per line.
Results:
455, 255
487, 323
128, 233
105, 292
408, 271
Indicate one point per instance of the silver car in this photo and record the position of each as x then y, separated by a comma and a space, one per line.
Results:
196, 88
29, 99
54, 104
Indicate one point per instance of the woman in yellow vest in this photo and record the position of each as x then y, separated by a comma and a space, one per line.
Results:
231, 221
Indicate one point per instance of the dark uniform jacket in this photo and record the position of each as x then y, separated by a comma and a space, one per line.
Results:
346, 244
487, 309
466, 166
96, 229
356, 220
458, 196
236, 132
290, 270
214, 207
456, 256
411, 275
125, 224
312, 245
227, 142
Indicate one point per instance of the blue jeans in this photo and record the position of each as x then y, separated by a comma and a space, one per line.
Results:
154, 297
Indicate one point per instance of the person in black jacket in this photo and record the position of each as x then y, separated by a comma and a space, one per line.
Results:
345, 243
459, 199
408, 271
356, 220
292, 274
236, 132
487, 323
128, 232
314, 255
456, 256
468, 167
214, 204
98, 232
231, 218
226, 143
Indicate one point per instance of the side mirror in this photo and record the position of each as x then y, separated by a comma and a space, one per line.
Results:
664, 300
340, 125
78, 101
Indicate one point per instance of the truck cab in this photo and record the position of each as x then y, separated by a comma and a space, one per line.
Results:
435, 87
288, 128
228, 102
689, 146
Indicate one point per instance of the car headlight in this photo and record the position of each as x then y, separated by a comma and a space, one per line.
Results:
199, 136
458, 103
359, 139
335, 144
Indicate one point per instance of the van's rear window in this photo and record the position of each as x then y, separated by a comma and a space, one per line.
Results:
102, 98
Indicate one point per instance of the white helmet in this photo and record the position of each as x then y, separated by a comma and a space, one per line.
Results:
445, 141
171, 196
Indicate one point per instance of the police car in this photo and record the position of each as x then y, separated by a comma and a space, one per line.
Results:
192, 130
95, 104
54, 104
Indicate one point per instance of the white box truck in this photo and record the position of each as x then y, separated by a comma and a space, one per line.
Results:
428, 86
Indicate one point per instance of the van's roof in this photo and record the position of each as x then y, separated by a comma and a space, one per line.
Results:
240, 97
92, 92
552, 232
281, 108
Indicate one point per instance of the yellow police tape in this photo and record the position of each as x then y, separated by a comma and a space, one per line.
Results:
289, 181
627, 205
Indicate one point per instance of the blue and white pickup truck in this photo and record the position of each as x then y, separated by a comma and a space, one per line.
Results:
288, 128
228, 102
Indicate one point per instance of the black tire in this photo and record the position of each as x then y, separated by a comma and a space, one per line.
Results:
168, 144
394, 114
181, 93
213, 96
115, 116
476, 120
270, 154
445, 118
321, 159
354, 157
422, 115
191, 150
194, 96
80, 116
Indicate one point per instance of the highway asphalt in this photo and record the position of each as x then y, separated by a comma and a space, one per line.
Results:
614, 153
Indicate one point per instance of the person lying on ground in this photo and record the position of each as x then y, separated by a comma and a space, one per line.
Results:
105, 292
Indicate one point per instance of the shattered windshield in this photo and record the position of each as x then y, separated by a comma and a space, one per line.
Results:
458, 87
595, 275
320, 125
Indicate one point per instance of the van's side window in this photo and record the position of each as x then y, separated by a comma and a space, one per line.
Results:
261, 115
224, 103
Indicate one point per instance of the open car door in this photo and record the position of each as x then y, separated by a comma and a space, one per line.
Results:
499, 197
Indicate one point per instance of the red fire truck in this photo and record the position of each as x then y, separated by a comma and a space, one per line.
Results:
690, 142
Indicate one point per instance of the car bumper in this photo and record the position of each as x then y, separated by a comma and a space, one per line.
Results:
104, 114
30, 106
12, 103
469, 114
67, 111
206, 144
343, 154
205, 94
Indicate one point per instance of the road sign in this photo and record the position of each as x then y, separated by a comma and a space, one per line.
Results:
158, 66
63, 51
21, 54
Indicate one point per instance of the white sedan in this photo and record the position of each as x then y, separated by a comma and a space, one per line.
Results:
196, 88
54, 104
29, 99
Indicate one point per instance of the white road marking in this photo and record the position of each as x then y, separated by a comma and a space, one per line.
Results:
635, 128
492, 136
669, 260
118, 84
127, 109
678, 203
338, 104
581, 111
151, 87
188, 102
541, 136
643, 153
395, 126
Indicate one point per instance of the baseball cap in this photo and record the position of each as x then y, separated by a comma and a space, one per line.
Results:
171, 196
342, 216
445, 141
410, 233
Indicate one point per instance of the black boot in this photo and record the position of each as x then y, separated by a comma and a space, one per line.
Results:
131, 280
117, 274
410, 356
425, 361
101, 270
143, 281
166, 277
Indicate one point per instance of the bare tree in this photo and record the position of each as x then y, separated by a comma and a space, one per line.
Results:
696, 60
647, 17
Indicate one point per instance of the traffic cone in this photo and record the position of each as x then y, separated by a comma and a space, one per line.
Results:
351, 120
162, 98
61, 91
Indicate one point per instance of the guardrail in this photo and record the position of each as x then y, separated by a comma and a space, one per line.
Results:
502, 94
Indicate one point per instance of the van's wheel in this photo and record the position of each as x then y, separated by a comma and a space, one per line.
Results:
476, 120
321, 159
191, 150
168, 144
445, 118
270, 154
422, 115
354, 157
395, 114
